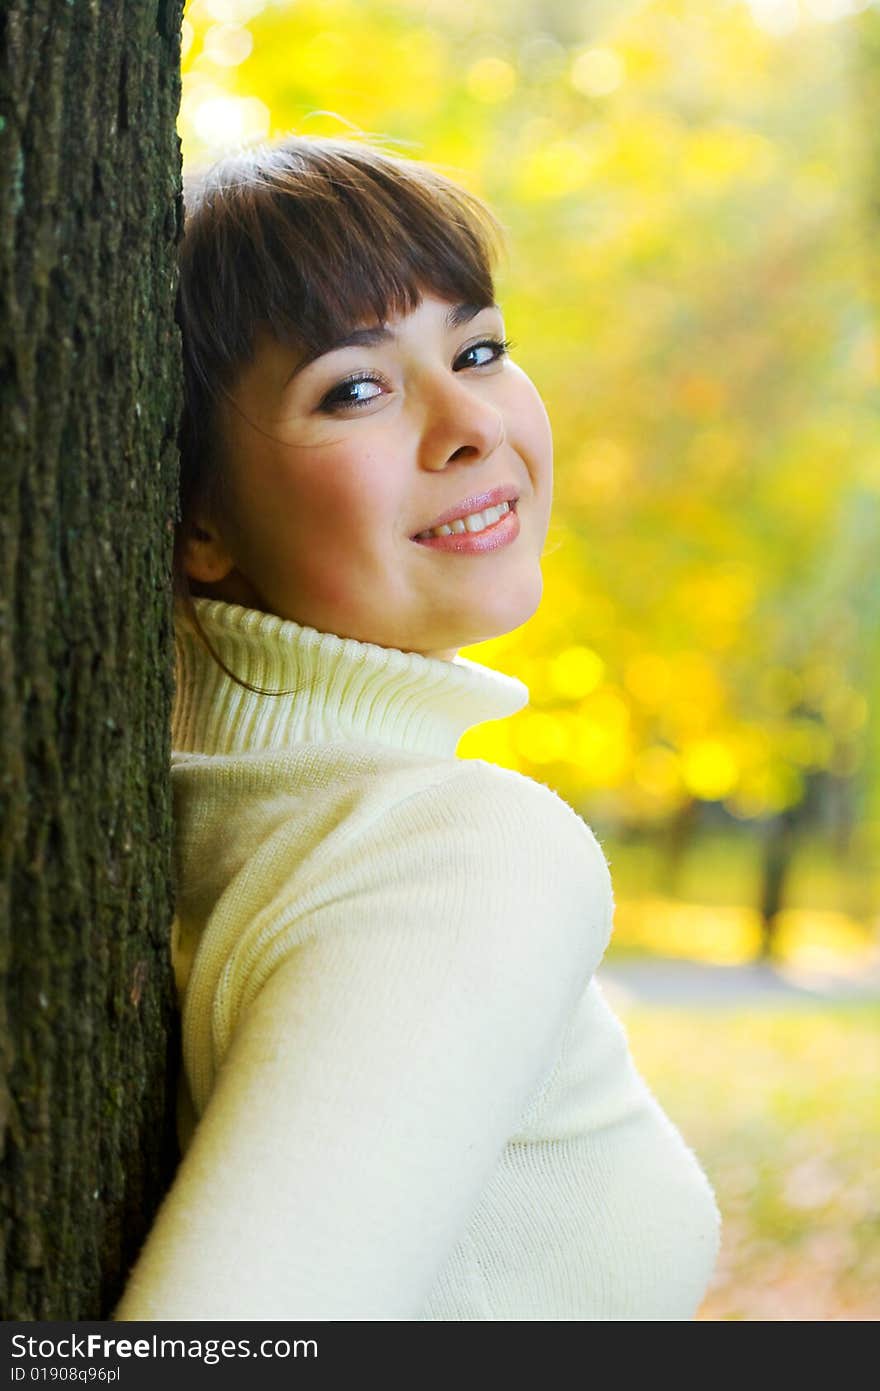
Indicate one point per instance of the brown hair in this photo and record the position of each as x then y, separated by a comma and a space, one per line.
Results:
307, 237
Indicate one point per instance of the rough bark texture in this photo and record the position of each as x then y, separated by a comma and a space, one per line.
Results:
89, 405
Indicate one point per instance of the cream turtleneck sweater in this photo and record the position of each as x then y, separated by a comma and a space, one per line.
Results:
403, 1096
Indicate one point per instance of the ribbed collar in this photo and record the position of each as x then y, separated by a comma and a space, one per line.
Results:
345, 689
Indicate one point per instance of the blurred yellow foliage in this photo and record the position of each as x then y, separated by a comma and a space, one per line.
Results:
491, 80
597, 71
575, 672
721, 154
709, 768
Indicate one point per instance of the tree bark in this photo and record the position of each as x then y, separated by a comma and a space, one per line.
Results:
90, 400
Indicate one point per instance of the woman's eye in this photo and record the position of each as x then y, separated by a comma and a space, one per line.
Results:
357, 391
482, 353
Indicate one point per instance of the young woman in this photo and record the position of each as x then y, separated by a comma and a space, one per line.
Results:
404, 1096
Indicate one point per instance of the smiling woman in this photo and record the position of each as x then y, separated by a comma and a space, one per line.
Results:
403, 1095
348, 378
334, 469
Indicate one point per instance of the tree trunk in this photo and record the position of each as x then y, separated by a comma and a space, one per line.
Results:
779, 849
90, 399
677, 841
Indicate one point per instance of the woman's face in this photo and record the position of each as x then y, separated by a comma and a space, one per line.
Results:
335, 466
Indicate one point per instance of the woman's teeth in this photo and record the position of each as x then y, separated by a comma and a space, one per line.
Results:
475, 521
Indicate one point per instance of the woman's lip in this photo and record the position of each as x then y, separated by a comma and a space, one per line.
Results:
500, 533
505, 492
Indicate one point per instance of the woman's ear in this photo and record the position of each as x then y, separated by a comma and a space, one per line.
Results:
205, 556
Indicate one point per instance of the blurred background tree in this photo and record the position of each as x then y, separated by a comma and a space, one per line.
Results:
690, 192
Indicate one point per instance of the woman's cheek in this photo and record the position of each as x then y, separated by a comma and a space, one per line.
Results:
335, 519
531, 423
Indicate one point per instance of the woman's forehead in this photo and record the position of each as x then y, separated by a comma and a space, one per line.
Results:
282, 356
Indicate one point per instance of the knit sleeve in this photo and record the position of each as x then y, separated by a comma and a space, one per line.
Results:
376, 1046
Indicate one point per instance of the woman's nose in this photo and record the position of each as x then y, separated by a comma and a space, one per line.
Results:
460, 426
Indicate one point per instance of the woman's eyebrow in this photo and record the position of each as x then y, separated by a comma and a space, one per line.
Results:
369, 337
463, 313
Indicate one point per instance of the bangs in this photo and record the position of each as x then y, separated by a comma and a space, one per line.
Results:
311, 238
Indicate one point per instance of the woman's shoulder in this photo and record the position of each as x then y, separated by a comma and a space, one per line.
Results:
357, 821
501, 823
369, 822
491, 780
511, 798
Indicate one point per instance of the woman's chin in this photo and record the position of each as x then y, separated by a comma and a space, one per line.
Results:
509, 612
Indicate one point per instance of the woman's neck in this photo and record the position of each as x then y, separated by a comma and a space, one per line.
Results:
235, 589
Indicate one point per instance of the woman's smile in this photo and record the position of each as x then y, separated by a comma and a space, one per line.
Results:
476, 532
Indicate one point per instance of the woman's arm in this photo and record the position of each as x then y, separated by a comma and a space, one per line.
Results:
371, 1083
